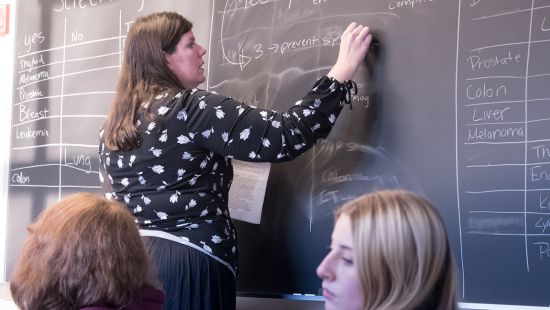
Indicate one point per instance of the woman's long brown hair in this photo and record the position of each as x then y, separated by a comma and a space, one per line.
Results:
143, 74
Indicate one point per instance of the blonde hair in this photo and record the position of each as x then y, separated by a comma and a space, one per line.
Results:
84, 250
402, 252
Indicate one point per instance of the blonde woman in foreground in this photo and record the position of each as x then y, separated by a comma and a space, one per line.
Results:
389, 250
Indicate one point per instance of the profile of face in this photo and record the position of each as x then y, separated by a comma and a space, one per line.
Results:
341, 284
186, 61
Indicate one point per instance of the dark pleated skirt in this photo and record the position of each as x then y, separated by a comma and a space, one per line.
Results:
191, 279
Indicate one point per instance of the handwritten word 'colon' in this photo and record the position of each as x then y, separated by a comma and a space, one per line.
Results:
485, 92
19, 178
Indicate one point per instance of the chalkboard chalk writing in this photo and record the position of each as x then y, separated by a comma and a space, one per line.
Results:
63, 5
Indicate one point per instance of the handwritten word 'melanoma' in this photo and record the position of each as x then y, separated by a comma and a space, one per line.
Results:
394, 4
26, 78
483, 134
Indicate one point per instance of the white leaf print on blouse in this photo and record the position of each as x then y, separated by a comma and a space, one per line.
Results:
202, 104
150, 127
194, 179
307, 112
162, 215
206, 248
146, 200
162, 187
216, 239
141, 179
299, 146
181, 172
240, 109
182, 115
159, 169
299, 102
317, 103
276, 124
332, 118
127, 198
252, 155
156, 152
183, 139
162, 110
266, 142
245, 134
132, 159
174, 197
192, 203
164, 136
206, 133
264, 115
219, 113
125, 182
204, 212
119, 161
187, 156
203, 163
315, 127
137, 209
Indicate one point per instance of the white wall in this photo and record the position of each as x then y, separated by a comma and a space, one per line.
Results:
7, 44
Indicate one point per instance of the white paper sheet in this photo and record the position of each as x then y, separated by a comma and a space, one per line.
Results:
246, 197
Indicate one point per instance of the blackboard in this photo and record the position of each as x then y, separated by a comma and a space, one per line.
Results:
453, 104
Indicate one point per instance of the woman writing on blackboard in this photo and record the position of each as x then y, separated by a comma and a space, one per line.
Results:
389, 251
166, 150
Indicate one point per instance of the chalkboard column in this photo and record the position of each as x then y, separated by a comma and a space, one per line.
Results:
503, 170
66, 74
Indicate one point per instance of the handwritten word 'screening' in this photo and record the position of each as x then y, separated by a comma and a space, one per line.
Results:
63, 5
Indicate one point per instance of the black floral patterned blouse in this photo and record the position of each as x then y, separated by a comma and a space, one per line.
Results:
176, 182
